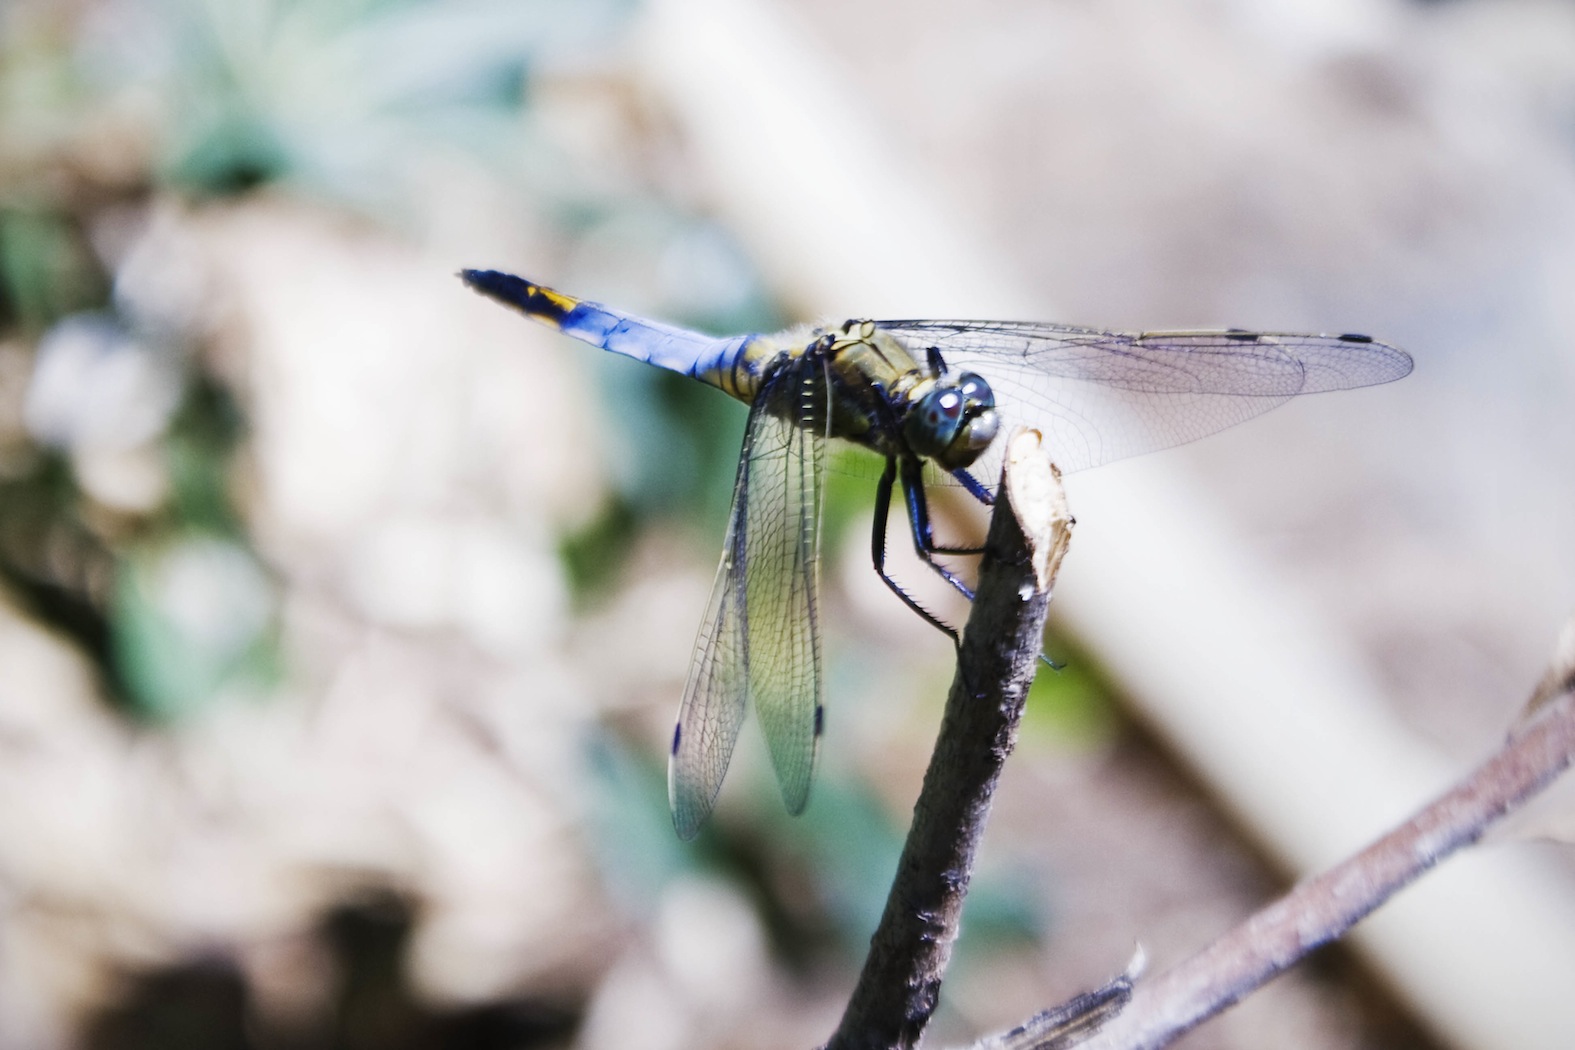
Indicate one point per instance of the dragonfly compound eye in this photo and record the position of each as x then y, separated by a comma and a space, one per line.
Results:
976, 390
954, 422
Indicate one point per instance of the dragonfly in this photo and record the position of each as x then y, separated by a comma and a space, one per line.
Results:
932, 399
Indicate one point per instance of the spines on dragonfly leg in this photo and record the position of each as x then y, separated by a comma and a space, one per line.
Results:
975, 489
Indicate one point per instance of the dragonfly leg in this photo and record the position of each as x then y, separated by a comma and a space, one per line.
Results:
923, 535
975, 489
920, 522
878, 553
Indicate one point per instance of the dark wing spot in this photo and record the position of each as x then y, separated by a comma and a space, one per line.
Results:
1241, 335
820, 718
1352, 337
678, 732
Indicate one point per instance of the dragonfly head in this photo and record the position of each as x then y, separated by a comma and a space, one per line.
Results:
954, 422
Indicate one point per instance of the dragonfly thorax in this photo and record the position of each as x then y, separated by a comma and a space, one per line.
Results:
898, 403
953, 421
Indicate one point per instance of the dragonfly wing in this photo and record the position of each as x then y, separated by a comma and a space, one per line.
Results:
1101, 396
718, 687
761, 635
788, 465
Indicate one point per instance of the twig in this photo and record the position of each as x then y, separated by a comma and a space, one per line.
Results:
1560, 675
1029, 532
1061, 1027
1322, 908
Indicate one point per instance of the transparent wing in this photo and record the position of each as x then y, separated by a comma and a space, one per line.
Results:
761, 636
784, 570
717, 691
1102, 396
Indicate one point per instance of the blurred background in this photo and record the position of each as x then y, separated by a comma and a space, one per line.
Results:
343, 615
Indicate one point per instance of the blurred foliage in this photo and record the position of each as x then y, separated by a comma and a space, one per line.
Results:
192, 619
343, 101
206, 1004
122, 529
111, 106
593, 554
205, 434
58, 566
1072, 706
46, 269
818, 881
631, 831
119, 523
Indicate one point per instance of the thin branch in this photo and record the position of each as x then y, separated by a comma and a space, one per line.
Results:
1061, 1027
1029, 532
1560, 676
1324, 907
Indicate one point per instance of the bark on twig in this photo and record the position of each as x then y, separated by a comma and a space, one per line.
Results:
1029, 531
1322, 908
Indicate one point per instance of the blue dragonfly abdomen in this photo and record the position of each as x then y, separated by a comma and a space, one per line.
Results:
733, 364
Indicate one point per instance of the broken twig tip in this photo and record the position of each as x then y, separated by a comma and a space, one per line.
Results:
1033, 485
1137, 964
